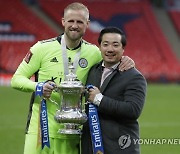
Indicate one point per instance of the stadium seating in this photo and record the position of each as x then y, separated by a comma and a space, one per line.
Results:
175, 16
146, 43
20, 28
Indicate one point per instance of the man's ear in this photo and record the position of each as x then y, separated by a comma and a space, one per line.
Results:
88, 22
62, 21
122, 51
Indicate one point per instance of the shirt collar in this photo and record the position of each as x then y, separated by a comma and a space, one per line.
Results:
112, 67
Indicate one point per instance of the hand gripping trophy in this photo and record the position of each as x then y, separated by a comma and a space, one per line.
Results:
71, 112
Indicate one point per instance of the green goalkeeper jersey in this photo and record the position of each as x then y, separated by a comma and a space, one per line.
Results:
46, 62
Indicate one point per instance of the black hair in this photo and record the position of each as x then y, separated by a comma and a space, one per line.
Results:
112, 30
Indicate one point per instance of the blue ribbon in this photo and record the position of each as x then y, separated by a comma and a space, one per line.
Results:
95, 130
39, 89
43, 117
44, 125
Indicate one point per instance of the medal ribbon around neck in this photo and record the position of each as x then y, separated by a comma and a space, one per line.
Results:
65, 58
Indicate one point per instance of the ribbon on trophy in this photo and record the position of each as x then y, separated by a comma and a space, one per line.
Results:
43, 132
95, 130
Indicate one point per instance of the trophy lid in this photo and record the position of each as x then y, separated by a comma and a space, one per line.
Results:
71, 84
71, 78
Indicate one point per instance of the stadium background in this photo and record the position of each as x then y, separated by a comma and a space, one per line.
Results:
152, 28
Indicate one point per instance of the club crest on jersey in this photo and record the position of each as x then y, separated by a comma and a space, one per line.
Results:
28, 57
83, 62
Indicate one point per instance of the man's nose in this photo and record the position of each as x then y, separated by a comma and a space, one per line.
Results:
110, 48
74, 25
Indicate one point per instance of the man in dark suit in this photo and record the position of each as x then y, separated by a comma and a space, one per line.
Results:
118, 96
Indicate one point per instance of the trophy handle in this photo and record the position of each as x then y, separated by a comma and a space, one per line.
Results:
56, 89
82, 102
53, 101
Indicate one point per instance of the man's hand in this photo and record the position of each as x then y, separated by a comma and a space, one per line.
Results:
126, 63
48, 88
92, 93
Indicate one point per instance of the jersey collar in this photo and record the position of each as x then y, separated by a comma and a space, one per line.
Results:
59, 40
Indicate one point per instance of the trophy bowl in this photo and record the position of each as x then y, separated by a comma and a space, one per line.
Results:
71, 112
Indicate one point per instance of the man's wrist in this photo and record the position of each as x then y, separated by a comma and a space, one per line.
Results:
97, 99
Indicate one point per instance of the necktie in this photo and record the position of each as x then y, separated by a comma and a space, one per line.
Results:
106, 73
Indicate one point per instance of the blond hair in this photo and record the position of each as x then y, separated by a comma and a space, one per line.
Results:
77, 6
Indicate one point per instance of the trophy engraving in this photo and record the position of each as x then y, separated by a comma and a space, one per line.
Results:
71, 112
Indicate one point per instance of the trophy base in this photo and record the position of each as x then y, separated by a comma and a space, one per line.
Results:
69, 131
70, 128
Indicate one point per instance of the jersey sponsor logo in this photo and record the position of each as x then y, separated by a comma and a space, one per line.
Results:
28, 57
54, 60
124, 141
83, 63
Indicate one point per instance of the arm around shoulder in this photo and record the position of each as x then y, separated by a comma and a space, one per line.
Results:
128, 102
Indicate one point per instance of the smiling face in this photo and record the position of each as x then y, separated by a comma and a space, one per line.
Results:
111, 48
75, 23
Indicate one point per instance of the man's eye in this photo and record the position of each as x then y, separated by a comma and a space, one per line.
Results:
79, 22
70, 21
105, 45
116, 45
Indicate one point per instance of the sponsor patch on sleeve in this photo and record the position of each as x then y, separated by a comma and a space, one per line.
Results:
28, 57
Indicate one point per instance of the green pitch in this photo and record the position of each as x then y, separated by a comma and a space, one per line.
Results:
13, 113
160, 119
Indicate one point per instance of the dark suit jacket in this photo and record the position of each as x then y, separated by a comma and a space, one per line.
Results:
124, 97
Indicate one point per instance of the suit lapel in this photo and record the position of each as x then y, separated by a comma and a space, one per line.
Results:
107, 80
98, 74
